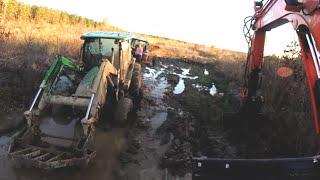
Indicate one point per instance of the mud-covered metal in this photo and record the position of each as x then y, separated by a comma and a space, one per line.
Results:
45, 158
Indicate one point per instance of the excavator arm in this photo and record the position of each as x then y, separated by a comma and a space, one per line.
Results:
304, 15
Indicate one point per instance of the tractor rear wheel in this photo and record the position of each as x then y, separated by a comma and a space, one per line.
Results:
123, 107
136, 80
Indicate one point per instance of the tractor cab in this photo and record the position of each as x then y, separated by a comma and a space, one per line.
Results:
99, 46
138, 41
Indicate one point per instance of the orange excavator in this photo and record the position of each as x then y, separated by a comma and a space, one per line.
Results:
304, 15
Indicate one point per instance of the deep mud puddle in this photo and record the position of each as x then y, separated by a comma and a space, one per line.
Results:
5, 164
157, 120
182, 73
164, 151
105, 166
152, 114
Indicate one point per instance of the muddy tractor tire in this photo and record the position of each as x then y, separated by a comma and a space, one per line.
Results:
123, 107
136, 80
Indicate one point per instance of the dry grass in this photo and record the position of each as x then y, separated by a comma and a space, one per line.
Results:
288, 104
169, 48
290, 130
26, 51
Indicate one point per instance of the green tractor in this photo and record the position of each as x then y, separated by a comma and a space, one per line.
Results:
63, 116
145, 44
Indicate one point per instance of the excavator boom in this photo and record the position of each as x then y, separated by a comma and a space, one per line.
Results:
304, 15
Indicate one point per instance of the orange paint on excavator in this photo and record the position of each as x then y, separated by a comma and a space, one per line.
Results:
304, 15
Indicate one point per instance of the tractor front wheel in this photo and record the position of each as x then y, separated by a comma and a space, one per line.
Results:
136, 80
123, 107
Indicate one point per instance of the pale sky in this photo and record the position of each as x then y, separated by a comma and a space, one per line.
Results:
210, 22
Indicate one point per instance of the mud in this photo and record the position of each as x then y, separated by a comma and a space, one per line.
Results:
152, 113
18, 86
11, 120
179, 117
173, 134
62, 121
106, 166
49, 126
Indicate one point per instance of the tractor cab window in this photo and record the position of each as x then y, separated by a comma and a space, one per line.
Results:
92, 47
106, 47
98, 49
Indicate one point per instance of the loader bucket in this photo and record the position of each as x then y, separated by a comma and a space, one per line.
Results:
46, 158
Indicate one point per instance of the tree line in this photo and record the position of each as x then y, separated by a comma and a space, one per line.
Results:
14, 10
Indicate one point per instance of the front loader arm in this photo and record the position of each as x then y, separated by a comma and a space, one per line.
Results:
58, 63
304, 15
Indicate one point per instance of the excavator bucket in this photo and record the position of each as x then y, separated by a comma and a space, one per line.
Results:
241, 124
264, 169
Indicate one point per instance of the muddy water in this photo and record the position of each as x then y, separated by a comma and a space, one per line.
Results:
180, 87
105, 166
50, 127
158, 119
11, 120
5, 165
212, 90
151, 151
206, 72
156, 86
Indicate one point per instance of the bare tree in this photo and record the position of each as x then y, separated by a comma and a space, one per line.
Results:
292, 51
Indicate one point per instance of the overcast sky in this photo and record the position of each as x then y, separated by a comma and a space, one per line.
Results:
210, 22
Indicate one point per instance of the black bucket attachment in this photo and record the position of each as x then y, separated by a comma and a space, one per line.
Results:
244, 124
306, 168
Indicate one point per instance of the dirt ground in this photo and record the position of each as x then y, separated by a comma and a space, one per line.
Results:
180, 99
